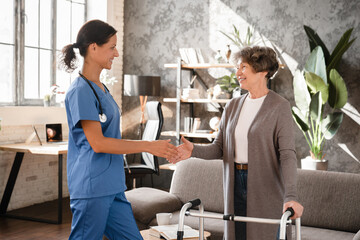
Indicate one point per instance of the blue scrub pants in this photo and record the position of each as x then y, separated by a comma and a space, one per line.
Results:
111, 216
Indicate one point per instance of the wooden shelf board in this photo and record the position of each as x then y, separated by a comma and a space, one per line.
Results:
190, 135
199, 65
199, 100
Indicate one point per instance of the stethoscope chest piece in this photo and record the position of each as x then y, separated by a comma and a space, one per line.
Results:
102, 117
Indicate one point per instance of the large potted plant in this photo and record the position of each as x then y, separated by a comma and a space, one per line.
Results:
320, 92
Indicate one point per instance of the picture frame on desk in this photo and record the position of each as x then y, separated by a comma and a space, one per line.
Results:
32, 135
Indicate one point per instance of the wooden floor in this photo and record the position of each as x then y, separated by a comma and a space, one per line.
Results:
11, 229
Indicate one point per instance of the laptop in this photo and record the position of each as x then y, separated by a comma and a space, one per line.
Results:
54, 133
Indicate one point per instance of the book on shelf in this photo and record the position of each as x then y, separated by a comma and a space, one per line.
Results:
169, 232
191, 55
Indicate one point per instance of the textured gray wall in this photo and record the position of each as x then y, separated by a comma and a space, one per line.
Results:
155, 30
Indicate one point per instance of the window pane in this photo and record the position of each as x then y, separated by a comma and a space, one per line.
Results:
77, 19
45, 74
45, 24
31, 23
63, 17
31, 77
7, 21
6, 73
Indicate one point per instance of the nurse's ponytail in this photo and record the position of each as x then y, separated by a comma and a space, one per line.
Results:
94, 31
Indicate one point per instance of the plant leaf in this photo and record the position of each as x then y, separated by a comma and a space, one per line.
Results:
316, 84
315, 40
338, 50
301, 93
316, 63
315, 107
338, 94
331, 124
337, 57
299, 119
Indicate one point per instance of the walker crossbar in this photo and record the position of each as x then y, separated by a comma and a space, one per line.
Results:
285, 219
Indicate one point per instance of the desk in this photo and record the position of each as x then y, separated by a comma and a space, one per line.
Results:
145, 234
168, 166
33, 148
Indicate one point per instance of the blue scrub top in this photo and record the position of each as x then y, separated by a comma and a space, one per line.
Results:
91, 174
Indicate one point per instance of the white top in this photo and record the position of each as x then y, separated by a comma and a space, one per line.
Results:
247, 114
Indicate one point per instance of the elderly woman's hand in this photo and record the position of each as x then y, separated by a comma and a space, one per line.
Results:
184, 151
298, 208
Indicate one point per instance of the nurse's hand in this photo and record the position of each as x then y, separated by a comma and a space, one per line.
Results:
184, 151
163, 148
298, 208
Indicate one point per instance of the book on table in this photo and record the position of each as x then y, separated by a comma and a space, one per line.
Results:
169, 232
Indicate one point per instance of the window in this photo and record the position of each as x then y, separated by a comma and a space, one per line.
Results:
32, 34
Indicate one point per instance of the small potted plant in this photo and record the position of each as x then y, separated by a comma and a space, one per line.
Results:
228, 84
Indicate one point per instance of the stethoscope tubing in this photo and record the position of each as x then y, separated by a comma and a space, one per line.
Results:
102, 115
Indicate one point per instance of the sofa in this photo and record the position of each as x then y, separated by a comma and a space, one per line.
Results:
331, 200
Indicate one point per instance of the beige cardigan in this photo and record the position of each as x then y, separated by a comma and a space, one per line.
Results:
272, 163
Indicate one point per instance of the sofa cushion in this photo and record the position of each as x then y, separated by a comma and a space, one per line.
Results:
203, 179
214, 226
311, 233
330, 199
146, 202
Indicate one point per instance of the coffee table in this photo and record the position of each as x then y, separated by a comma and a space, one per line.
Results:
145, 234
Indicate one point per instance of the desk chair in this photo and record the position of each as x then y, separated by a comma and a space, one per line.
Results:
149, 163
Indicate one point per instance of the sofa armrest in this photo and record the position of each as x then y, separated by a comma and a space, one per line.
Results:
147, 202
357, 236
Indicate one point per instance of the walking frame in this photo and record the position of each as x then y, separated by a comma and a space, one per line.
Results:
185, 211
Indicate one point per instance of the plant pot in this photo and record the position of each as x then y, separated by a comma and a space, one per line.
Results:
46, 103
312, 164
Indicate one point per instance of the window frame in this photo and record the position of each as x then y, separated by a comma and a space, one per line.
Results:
18, 91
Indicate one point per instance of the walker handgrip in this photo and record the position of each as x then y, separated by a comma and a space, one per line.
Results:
290, 209
195, 202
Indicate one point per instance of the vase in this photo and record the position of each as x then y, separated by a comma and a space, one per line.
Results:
313, 164
46, 103
228, 54
218, 57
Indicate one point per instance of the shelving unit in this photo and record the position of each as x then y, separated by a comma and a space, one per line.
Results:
179, 66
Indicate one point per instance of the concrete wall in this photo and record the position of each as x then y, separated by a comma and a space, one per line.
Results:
155, 30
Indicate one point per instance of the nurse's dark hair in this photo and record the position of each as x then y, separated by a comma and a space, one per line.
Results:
261, 59
94, 31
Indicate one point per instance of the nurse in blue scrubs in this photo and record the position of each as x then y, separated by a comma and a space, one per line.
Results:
95, 165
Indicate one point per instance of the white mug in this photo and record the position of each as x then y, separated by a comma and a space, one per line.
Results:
163, 218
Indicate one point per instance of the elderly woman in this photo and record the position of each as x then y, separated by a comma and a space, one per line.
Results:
256, 143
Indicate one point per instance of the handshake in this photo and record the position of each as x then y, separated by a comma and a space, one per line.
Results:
163, 148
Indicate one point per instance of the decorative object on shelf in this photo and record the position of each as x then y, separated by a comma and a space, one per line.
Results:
106, 79
236, 92
188, 124
190, 93
141, 86
228, 54
228, 83
218, 57
312, 92
214, 123
191, 55
250, 38
196, 125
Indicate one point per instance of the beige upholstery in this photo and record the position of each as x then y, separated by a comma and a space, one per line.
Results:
195, 179
331, 200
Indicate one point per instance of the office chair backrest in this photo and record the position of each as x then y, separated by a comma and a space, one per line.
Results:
152, 131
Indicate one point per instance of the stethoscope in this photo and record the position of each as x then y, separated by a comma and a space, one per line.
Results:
102, 115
